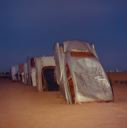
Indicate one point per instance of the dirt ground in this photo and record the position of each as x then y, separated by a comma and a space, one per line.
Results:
23, 107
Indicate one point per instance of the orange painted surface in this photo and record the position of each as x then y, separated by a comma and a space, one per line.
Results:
82, 54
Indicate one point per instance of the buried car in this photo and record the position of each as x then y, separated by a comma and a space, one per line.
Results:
80, 74
45, 73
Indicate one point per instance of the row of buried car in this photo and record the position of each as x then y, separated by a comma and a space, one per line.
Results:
74, 70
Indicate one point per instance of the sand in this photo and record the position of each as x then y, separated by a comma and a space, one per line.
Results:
23, 107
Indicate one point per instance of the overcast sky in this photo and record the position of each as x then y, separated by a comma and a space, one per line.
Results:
31, 27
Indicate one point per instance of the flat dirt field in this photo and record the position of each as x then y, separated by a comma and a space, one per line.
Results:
22, 106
